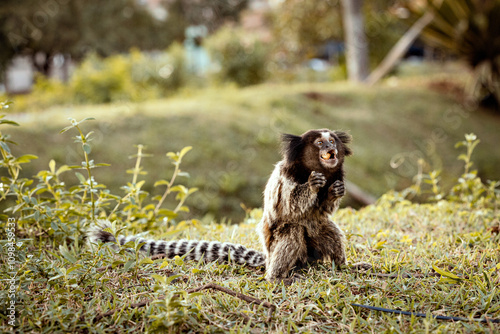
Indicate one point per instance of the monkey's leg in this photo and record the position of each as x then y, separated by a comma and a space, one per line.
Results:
330, 243
290, 249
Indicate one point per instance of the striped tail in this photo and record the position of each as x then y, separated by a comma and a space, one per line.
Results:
195, 249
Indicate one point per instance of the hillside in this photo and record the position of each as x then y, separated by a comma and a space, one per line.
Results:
234, 134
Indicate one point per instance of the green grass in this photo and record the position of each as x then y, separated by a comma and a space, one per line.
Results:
440, 258
235, 132
62, 290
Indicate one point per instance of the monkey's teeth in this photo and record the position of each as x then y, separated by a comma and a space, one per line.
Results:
326, 156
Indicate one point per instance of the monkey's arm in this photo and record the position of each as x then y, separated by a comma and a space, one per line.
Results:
286, 199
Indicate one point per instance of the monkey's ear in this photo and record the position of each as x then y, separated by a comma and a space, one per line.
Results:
345, 138
291, 147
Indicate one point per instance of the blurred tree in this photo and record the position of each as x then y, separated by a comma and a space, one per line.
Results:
42, 29
302, 27
355, 38
210, 13
471, 30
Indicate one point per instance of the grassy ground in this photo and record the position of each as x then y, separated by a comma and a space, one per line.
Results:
437, 259
62, 289
234, 134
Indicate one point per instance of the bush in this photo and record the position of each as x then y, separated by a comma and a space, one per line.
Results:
133, 77
241, 57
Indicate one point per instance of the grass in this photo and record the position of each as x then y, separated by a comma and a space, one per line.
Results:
62, 290
440, 258
234, 134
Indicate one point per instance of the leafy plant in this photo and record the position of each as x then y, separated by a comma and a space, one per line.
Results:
242, 58
470, 29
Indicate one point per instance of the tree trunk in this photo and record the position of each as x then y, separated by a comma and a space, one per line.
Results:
355, 39
400, 48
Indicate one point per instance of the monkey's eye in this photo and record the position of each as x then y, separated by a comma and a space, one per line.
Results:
319, 142
331, 141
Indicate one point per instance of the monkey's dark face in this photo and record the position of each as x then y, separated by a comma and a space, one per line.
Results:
327, 151
320, 150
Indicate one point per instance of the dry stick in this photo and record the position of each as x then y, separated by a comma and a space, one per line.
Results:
241, 296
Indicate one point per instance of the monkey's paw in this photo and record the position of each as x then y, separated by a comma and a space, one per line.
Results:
337, 189
316, 180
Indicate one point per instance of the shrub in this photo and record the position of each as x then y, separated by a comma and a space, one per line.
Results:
103, 80
132, 77
241, 57
46, 204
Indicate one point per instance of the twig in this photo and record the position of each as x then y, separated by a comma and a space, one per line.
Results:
423, 315
249, 299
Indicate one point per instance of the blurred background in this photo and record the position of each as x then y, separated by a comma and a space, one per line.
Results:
407, 79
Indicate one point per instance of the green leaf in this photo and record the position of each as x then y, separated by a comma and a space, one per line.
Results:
160, 279
102, 165
161, 183
87, 148
173, 277
167, 213
446, 273
128, 265
67, 255
67, 128
5, 147
179, 188
26, 158
184, 151
173, 156
80, 177
62, 169
52, 166
6, 121
146, 260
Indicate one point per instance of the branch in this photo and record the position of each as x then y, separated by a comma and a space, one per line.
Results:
399, 49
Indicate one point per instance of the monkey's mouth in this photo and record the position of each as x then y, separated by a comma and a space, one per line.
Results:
330, 155
329, 158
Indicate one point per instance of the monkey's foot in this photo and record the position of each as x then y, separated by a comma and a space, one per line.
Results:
288, 280
361, 266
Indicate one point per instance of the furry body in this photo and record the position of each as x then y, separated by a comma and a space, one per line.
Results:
195, 249
303, 190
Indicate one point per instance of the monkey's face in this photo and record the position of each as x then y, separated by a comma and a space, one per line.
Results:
320, 150
328, 153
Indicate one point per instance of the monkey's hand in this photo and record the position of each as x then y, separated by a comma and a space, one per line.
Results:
316, 180
336, 190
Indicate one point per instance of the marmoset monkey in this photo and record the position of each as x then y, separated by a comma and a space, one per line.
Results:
304, 189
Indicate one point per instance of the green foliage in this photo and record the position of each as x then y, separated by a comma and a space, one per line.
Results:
46, 204
469, 188
75, 27
241, 57
469, 29
136, 76
437, 258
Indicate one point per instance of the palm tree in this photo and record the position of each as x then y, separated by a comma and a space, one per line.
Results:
470, 29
